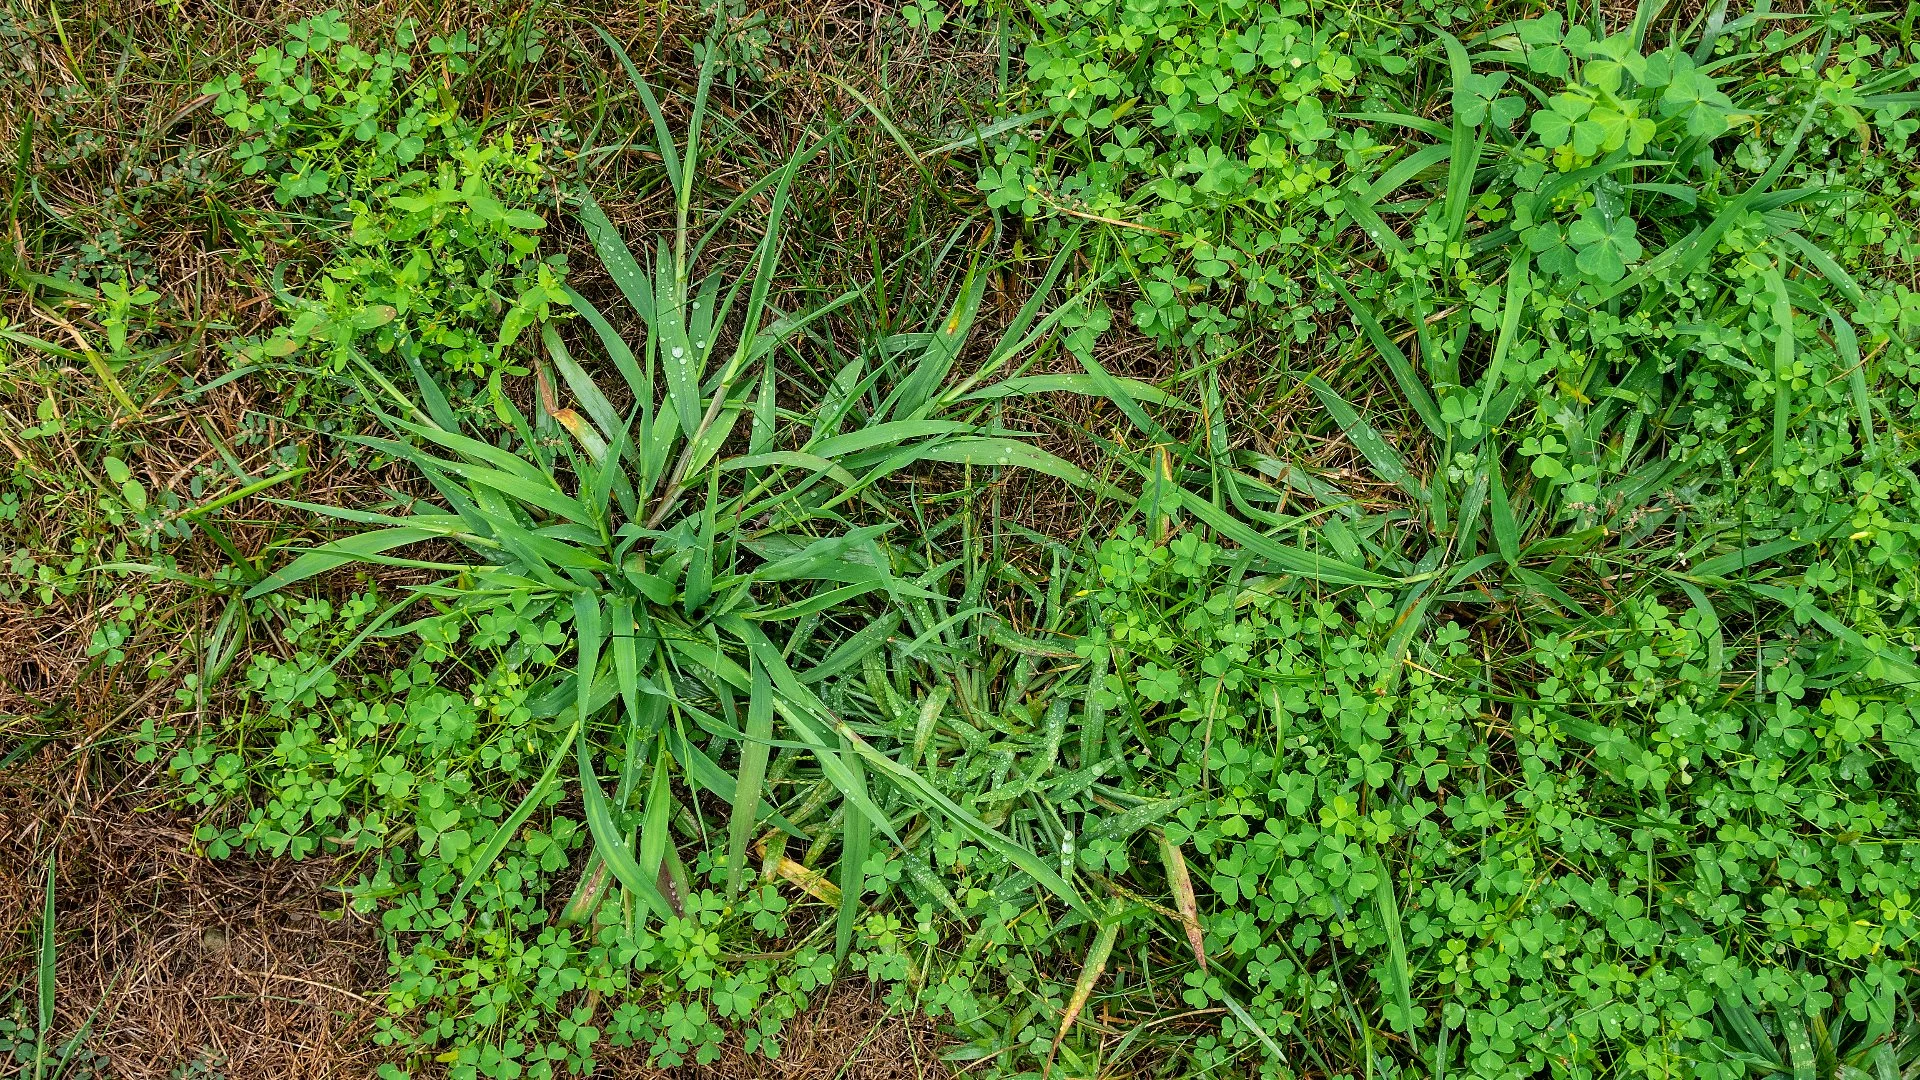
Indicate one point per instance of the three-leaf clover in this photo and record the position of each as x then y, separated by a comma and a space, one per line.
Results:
1694, 94
1605, 248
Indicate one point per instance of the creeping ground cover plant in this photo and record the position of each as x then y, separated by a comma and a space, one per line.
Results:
435, 258
1491, 651
1619, 776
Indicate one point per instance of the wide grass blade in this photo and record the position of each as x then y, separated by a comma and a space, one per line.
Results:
1387, 910
611, 846
335, 554
1506, 530
856, 835
753, 770
995, 451
655, 849
1090, 972
626, 272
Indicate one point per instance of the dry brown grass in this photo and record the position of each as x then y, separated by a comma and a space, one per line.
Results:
246, 965
253, 967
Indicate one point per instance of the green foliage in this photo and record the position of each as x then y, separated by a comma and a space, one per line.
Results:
1566, 729
1237, 152
1592, 844
436, 247
634, 588
422, 780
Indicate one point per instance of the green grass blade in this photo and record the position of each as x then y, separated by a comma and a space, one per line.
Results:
768, 256
655, 834
608, 841
626, 655
888, 434
982, 451
690, 161
430, 391
623, 268
1033, 385
1799, 1047
943, 346
753, 770
856, 836
818, 602
1115, 391
699, 581
545, 494
471, 449
1397, 363
1400, 977
1848, 344
1379, 453
1377, 230
1781, 310
1093, 722
45, 973
853, 650
1466, 141
1241, 1014
1836, 275
1710, 628
1518, 285
1756, 555
617, 349
825, 554
1895, 667
581, 385
1407, 168
530, 802
1747, 1028
1306, 564
587, 630
663, 134
331, 556
1506, 530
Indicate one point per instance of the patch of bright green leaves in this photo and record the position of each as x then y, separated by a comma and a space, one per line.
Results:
433, 245
1589, 852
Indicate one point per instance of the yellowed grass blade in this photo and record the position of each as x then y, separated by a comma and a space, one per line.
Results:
1090, 973
1183, 897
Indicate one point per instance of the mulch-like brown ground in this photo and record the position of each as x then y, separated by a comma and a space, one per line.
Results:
250, 968
176, 958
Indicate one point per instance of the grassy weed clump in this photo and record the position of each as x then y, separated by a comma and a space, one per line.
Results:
1540, 700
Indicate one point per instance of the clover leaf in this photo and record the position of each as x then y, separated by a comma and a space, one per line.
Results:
1605, 249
